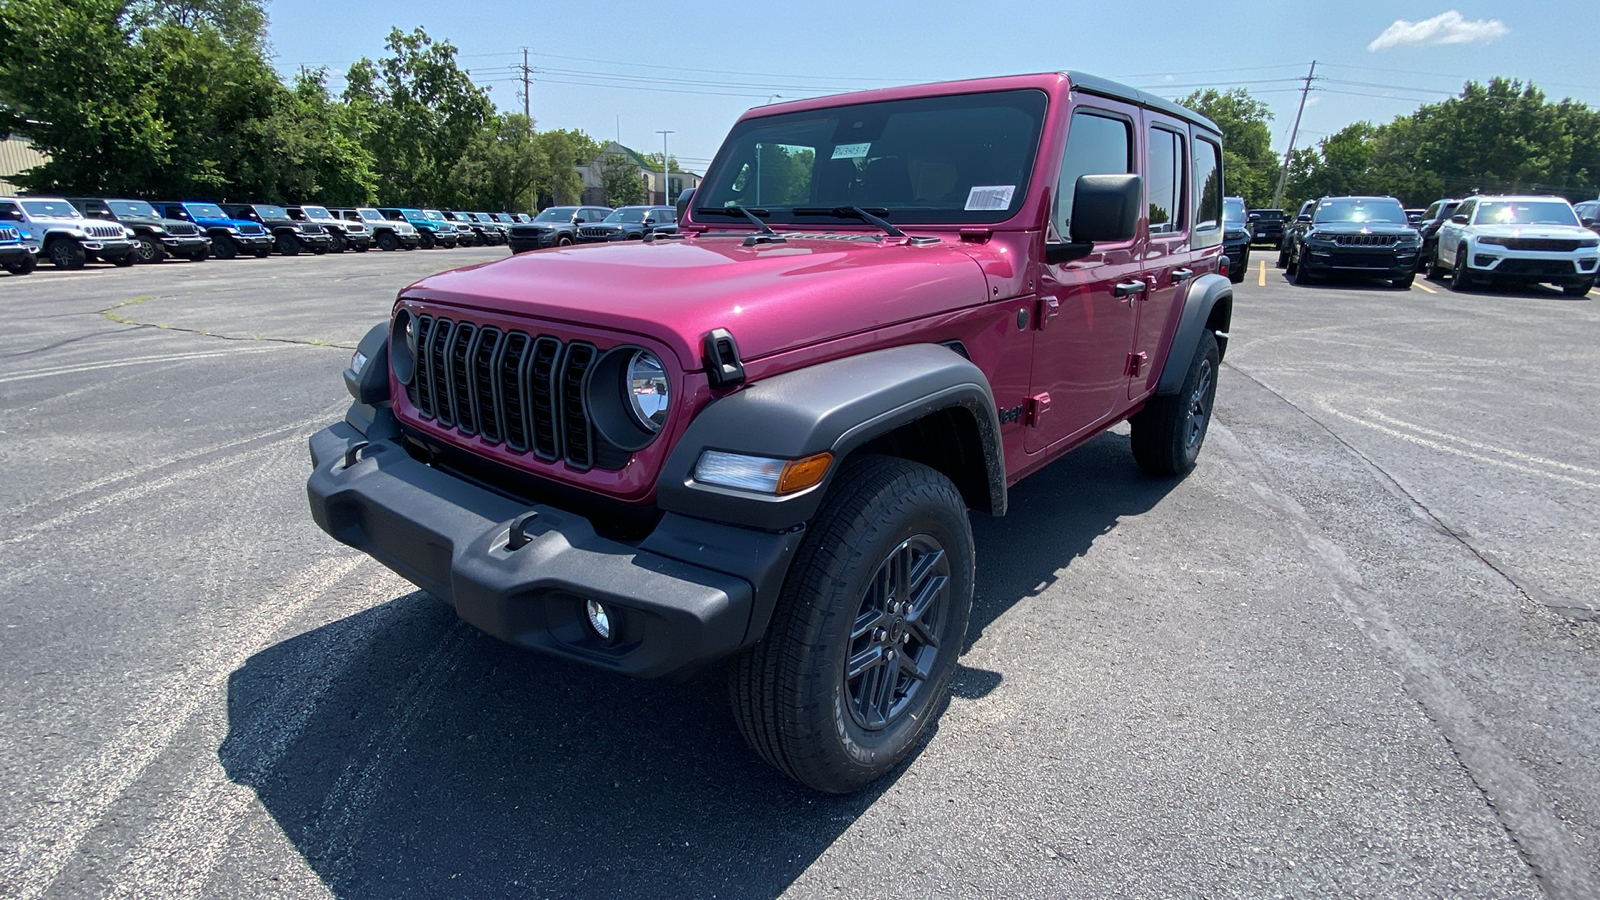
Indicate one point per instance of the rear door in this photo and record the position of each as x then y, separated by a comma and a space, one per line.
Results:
1169, 257
1084, 321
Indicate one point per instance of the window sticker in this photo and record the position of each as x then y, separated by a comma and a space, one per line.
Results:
990, 196
851, 151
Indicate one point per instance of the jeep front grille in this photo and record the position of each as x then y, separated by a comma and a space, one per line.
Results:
596, 232
103, 231
506, 387
9, 234
250, 229
310, 228
1547, 245
180, 229
1366, 240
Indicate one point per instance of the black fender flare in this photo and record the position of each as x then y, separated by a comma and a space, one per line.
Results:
1205, 293
836, 407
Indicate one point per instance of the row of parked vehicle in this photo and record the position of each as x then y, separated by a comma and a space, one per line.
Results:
1477, 241
73, 231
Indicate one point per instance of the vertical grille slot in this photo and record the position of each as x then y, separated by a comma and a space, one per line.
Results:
509, 379
459, 377
575, 428
541, 383
439, 372
484, 386
417, 391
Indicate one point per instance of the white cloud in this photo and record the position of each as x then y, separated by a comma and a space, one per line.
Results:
1445, 28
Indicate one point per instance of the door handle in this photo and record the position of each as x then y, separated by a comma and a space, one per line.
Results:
1130, 288
1181, 275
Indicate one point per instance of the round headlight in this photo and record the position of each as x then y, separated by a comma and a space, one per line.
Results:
648, 393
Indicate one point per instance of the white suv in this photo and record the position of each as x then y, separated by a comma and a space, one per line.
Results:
63, 235
1517, 239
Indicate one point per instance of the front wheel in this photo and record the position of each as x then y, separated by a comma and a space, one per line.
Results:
858, 659
1167, 434
1461, 280
428, 240
337, 242
224, 247
1301, 271
66, 254
200, 254
387, 241
1405, 281
288, 244
149, 250
1581, 289
24, 265
1436, 269
124, 261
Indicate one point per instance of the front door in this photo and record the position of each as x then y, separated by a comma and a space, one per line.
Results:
1169, 263
1087, 312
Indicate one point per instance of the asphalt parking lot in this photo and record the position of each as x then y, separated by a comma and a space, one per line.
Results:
1354, 654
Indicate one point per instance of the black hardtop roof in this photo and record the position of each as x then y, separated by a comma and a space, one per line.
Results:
1116, 90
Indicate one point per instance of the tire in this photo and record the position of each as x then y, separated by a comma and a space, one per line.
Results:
125, 260
23, 266
1283, 258
262, 252
1581, 289
66, 254
564, 241
224, 247
1301, 271
386, 241
1436, 269
361, 248
1168, 433
319, 250
287, 244
200, 254
338, 244
149, 250
428, 240
1405, 281
794, 700
1461, 280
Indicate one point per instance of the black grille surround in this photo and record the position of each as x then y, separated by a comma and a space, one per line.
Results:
511, 388
1537, 245
1366, 240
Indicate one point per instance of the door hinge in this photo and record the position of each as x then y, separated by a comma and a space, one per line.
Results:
1136, 363
1038, 405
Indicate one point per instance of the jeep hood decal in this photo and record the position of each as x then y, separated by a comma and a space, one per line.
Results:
772, 297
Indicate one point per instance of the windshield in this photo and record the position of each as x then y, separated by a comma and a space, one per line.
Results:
205, 211
316, 212
503, 217
371, 215
1267, 215
1378, 210
271, 212
1233, 209
957, 159
133, 208
51, 209
433, 215
625, 215
1525, 212
556, 214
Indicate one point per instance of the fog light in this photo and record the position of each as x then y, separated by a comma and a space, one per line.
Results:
599, 619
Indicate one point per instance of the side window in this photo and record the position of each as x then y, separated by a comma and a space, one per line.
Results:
1465, 209
10, 213
1208, 205
1165, 182
1432, 213
1097, 144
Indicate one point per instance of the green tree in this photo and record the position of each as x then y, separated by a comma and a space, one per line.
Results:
620, 177
1249, 167
424, 114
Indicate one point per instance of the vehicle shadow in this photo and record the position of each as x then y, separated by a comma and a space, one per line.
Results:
403, 753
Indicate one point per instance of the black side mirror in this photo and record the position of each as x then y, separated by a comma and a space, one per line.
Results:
1589, 222
1459, 220
682, 203
1302, 218
1105, 209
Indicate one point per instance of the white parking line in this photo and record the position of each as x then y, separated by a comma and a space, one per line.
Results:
135, 361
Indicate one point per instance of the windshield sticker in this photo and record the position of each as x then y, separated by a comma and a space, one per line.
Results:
852, 151
990, 196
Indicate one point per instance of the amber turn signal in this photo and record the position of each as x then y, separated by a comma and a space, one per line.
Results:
799, 474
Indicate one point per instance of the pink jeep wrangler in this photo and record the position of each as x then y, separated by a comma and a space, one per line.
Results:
758, 440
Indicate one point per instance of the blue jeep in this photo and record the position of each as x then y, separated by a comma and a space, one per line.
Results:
229, 236
17, 256
435, 229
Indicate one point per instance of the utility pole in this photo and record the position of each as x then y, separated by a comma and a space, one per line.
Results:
527, 104
1283, 176
666, 170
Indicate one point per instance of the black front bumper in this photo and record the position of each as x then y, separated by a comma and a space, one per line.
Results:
1379, 263
10, 253
685, 596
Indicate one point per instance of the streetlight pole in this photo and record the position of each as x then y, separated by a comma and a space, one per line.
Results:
666, 184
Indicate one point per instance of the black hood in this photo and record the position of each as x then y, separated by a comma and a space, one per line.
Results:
1361, 228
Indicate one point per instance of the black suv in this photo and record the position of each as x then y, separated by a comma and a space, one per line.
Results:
1359, 235
157, 236
1235, 237
1266, 226
554, 227
631, 223
289, 236
1434, 217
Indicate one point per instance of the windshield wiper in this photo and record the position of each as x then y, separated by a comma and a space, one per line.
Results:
749, 212
853, 212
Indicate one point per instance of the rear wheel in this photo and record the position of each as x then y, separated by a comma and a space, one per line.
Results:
224, 247
65, 253
149, 250
1168, 432
858, 659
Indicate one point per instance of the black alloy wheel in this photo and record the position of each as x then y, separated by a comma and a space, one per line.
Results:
65, 253
288, 244
125, 260
337, 242
564, 241
388, 241
894, 642
428, 240
1167, 434
224, 247
23, 265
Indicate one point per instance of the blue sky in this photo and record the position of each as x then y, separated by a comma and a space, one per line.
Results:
632, 69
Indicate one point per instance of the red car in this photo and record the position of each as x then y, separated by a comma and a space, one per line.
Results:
761, 438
